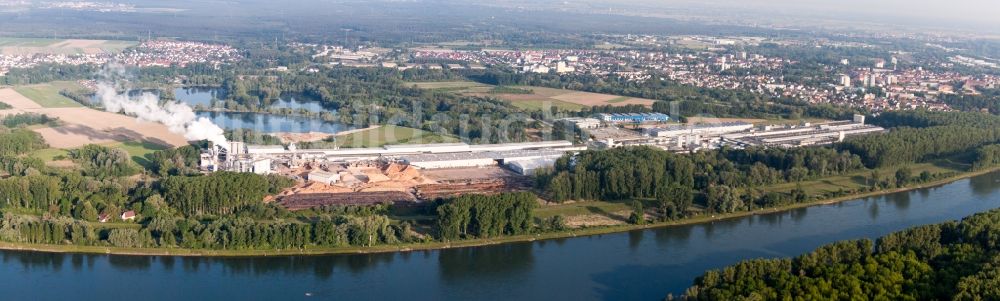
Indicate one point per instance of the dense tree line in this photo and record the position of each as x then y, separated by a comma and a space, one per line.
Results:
26, 119
227, 233
907, 145
954, 260
987, 156
725, 180
923, 119
987, 100
220, 193
47, 72
102, 161
177, 161
485, 216
19, 142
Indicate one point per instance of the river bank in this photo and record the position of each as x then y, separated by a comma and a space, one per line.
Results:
471, 242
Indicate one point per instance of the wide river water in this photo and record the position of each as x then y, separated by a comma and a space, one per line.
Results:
637, 265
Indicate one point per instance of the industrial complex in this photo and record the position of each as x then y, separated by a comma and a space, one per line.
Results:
414, 172
695, 137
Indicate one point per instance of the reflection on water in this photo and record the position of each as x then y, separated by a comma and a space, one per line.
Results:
494, 262
635, 239
873, 210
611, 266
204, 96
983, 186
677, 237
900, 200
196, 96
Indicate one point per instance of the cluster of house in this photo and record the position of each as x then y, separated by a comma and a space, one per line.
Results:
149, 53
21, 61
166, 53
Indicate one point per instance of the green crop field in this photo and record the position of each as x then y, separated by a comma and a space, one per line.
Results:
138, 151
391, 135
47, 95
539, 98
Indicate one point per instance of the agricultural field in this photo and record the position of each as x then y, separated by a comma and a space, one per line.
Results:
80, 125
391, 134
47, 95
536, 98
138, 151
28, 46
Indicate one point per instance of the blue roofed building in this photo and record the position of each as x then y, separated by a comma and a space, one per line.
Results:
634, 117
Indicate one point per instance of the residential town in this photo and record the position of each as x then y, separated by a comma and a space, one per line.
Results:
721, 65
146, 54
882, 88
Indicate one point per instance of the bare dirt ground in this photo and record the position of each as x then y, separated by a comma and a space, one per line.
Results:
591, 220
17, 100
317, 136
82, 126
302, 137
10, 112
377, 182
458, 174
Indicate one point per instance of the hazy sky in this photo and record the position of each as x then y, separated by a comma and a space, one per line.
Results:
960, 11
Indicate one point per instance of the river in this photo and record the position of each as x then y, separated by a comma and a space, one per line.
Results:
637, 265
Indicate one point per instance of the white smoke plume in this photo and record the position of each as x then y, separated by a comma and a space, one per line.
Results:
177, 116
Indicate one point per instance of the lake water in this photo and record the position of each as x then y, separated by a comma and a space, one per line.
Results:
637, 265
199, 95
263, 123
203, 96
270, 123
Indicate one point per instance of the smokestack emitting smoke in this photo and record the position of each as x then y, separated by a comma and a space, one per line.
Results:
177, 116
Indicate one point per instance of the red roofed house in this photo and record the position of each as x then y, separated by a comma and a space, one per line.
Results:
128, 215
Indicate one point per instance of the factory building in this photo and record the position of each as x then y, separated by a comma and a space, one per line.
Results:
428, 148
807, 135
699, 129
634, 117
558, 144
531, 167
263, 149
262, 166
452, 160
482, 159
324, 177
583, 123
239, 157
